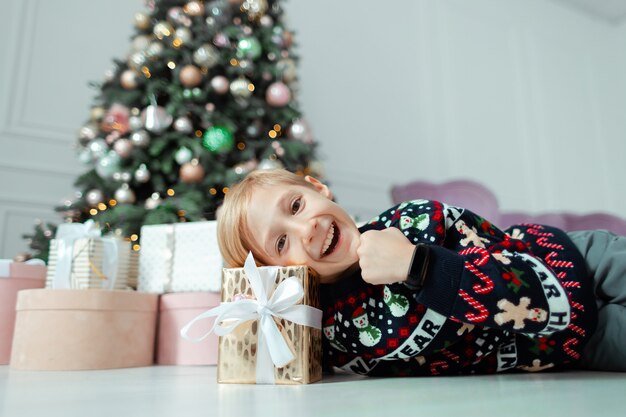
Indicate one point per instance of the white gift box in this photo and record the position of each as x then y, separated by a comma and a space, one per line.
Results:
80, 258
180, 257
86, 267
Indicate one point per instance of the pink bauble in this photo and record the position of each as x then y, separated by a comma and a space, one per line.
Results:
190, 76
278, 94
220, 84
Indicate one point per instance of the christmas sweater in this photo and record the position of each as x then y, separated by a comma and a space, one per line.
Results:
491, 301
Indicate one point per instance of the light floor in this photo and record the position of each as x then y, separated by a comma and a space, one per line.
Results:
192, 391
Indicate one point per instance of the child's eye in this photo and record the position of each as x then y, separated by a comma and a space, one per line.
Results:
295, 206
280, 244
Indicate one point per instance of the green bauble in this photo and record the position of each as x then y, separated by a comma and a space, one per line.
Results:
218, 139
249, 47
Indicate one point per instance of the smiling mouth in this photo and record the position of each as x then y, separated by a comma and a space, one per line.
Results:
330, 244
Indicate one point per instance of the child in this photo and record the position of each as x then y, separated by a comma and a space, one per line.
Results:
427, 288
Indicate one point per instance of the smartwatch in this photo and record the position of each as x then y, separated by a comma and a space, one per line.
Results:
418, 268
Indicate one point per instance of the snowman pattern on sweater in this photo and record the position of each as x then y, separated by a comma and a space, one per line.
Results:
368, 335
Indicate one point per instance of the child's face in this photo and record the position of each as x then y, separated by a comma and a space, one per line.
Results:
298, 225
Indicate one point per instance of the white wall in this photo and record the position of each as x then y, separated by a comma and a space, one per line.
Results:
528, 97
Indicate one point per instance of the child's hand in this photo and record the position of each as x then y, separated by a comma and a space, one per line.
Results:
384, 256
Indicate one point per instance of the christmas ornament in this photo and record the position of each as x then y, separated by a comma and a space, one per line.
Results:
87, 133
122, 176
183, 125
116, 119
183, 155
155, 118
194, 8
112, 137
142, 21
191, 172
154, 50
135, 123
190, 76
137, 60
241, 88
300, 130
98, 148
129, 79
108, 165
249, 47
254, 8
221, 40
218, 139
206, 56
184, 34
142, 175
270, 164
140, 43
246, 167
125, 195
85, 156
123, 147
163, 30
153, 202
287, 69
266, 21
94, 197
174, 15
218, 12
220, 84
97, 113
140, 138
277, 94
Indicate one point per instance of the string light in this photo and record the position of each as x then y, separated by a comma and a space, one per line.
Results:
225, 190
250, 87
181, 213
171, 65
102, 206
136, 247
234, 62
146, 72
198, 133
170, 192
93, 211
272, 134
277, 127
134, 237
213, 191
241, 146
177, 43
112, 203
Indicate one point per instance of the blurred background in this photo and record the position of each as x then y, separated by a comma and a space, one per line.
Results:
526, 97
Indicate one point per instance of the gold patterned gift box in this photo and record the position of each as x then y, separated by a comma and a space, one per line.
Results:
245, 323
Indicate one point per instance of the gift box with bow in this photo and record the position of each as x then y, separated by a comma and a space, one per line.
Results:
81, 258
269, 325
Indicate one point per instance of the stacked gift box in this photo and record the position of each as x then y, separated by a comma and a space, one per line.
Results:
107, 306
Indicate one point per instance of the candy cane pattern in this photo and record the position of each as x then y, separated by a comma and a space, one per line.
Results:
443, 365
577, 306
483, 313
452, 356
557, 264
577, 329
567, 349
533, 229
570, 284
543, 241
484, 255
484, 278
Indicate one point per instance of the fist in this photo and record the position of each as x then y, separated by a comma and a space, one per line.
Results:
384, 256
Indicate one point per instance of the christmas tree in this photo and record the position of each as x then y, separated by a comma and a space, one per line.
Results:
206, 95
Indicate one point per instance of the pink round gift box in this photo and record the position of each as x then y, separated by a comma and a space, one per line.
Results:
175, 311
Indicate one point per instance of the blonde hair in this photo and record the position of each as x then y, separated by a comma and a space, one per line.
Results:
234, 237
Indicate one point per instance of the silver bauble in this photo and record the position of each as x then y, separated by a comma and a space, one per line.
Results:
206, 56
183, 124
183, 34
183, 155
98, 148
140, 138
125, 195
137, 60
108, 165
156, 119
94, 197
220, 84
300, 130
135, 123
142, 175
140, 43
142, 21
239, 88
129, 79
85, 156
87, 133
154, 50
287, 67
123, 147
153, 202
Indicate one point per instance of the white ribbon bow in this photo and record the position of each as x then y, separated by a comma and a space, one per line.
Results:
271, 346
66, 236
